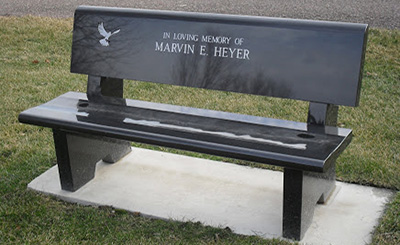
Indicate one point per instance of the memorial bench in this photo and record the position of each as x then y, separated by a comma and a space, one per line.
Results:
315, 61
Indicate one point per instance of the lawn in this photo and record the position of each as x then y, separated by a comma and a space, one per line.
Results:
34, 68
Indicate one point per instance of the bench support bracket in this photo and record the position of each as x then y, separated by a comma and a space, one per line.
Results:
78, 154
105, 90
302, 189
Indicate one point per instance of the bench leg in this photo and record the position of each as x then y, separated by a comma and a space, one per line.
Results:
77, 156
302, 191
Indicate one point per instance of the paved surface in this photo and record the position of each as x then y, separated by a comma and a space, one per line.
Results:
377, 13
247, 200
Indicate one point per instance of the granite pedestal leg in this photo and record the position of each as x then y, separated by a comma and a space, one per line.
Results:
78, 154
302, 191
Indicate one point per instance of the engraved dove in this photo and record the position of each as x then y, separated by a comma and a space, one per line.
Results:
106, 34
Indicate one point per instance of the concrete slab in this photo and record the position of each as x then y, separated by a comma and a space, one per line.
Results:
247, 200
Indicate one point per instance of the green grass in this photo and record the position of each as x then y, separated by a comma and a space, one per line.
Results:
34, 68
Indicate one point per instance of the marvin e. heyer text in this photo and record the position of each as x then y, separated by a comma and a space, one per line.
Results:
204, 45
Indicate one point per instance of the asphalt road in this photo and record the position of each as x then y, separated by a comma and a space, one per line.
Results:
377, 13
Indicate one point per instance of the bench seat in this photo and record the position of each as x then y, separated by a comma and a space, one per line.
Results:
273, 141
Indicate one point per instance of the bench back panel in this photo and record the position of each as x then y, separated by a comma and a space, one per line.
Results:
297, 59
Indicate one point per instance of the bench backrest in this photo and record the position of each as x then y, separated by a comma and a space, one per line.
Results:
306, 60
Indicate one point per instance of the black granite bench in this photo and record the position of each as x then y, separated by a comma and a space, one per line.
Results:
319, 62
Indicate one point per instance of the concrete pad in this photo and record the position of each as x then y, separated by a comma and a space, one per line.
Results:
247, 200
